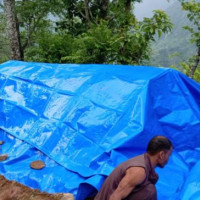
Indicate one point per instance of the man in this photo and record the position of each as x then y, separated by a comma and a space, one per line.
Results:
135, 179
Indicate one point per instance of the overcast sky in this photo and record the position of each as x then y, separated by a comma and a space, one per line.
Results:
145, 8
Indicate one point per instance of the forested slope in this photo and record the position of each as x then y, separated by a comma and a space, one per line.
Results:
174, 47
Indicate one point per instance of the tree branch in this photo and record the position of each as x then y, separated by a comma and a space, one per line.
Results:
196, 62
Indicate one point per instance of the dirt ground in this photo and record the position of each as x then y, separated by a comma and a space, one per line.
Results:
11, 190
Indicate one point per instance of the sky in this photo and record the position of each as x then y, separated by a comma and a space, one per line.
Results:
145, 8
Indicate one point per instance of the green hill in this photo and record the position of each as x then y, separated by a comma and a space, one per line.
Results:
176, 43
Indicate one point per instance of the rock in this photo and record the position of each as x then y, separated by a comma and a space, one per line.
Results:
3, 157
1, 142
38, 164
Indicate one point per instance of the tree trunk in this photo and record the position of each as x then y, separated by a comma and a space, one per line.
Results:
103, 8
196, 62
128, 5
13, 30
86, 2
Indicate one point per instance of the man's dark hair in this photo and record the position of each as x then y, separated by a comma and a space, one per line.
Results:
157, 144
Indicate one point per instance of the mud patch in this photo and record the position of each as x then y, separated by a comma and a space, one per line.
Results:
12, 190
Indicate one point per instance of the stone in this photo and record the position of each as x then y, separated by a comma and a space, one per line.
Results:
3, 157
38, 164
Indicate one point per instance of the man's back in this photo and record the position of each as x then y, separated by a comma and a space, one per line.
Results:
116, 176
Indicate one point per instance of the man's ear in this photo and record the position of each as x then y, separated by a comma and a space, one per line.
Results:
162, 155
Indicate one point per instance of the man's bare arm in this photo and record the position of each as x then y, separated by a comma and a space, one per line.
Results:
134, 176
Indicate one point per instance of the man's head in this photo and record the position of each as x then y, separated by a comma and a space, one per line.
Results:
161, 148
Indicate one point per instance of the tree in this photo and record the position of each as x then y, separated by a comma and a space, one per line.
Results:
193, 9
120, 38
33, 20
50, 47
4, 41
97, 31
13, 30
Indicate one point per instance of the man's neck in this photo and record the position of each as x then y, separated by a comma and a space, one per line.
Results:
153, 160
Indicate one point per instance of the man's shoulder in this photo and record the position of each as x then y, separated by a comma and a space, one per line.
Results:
140, 157
137, 161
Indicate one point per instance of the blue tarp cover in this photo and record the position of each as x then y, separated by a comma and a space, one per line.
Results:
83, 120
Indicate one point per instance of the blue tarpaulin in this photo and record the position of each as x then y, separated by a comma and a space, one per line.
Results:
83, 120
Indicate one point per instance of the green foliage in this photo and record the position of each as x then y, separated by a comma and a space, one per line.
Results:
159, 23
49, 47
87, 31
33, 20
186, 69
93, 46
193, 9
122, 40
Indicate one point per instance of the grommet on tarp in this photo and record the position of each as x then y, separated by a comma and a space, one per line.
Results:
3, 157
1, 142
38, 164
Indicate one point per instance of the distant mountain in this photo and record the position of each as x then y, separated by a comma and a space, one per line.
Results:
1, 3
176, 42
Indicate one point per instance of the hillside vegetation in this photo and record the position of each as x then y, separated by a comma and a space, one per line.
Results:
174, 47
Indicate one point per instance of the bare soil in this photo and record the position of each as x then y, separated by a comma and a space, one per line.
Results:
12, 190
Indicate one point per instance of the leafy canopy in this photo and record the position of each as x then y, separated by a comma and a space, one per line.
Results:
87, 31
